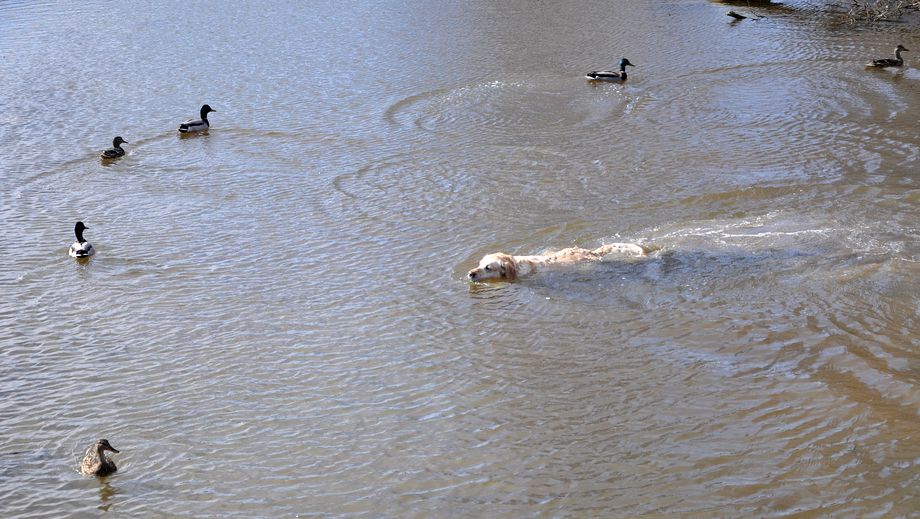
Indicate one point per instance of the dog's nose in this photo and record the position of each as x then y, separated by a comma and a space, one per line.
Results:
472, 274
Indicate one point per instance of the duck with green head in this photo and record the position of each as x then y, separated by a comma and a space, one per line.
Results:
81, 248
197, 125
610, 75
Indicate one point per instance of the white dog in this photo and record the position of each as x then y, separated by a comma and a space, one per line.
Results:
506, 267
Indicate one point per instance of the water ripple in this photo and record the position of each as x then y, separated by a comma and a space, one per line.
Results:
548, 109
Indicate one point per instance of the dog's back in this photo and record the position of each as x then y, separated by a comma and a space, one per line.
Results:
628, 249
577, 253
507, 267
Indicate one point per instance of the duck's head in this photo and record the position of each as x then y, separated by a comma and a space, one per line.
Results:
104, 445
118, 141
205, 110
78, 230
625, 63
901, 48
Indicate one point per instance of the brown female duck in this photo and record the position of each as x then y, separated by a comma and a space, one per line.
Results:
116, 150
94, 461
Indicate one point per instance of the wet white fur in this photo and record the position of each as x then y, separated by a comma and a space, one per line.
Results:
507, 267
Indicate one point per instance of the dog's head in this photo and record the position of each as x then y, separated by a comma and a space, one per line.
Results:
494, 266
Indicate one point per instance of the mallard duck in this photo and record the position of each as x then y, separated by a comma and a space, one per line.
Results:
94, 461
610, 75
115, 151
898, 61
197, 125
81, 248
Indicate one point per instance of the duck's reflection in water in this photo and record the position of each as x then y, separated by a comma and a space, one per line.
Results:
106, 494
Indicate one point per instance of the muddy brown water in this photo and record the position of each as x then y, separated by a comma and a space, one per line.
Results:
277, 322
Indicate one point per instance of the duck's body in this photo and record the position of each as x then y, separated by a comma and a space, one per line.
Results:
94, 461
197, 125
81, 248
610, 75
115, 151
897, 61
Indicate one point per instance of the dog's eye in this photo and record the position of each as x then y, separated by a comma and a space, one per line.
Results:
488, 267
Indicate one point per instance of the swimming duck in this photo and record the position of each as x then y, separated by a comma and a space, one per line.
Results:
81, 248
115, 151
94, 461
898, 61
610, 75
197, 125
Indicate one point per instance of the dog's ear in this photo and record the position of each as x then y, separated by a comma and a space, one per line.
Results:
506, 267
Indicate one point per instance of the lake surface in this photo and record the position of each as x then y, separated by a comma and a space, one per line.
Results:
278, 323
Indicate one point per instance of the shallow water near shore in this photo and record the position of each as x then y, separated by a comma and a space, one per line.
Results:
278, 322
